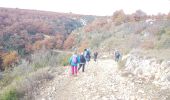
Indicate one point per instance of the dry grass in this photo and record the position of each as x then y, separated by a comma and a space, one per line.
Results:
128, 36
24, 86
32, 82
26, 77
121, 64
160, 54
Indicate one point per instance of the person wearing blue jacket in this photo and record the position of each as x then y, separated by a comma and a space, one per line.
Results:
74, 62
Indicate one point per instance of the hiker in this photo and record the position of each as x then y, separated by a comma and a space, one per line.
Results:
87, 55
82, 62
73, 62
117, 55
95, 56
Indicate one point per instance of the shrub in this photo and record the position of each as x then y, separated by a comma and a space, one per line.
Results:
7, 78
28, 75
160, 33
163, 43
24, 68
119, 17
148, 44
121, 64
167, 30
64, 59
9, 59
10, 94
32, 81
69, 42
24, 84
1, 62
84, 44
41, 58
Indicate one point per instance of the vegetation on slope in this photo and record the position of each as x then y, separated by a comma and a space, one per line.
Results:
125, 32
24, 31
24, 78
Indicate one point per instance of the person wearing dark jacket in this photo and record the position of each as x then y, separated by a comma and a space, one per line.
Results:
95, 56
117, 55
82, 62
87, 55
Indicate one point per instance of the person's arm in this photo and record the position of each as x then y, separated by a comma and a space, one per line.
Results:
85, 54
78, 59
70, 59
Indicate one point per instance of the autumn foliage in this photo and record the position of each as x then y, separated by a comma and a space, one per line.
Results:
9, 59
69, 42
23, 30
1, 62
96, 24
119, 17
83, 46
26, 31
59, 41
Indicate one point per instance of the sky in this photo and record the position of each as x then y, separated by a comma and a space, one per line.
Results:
91, 7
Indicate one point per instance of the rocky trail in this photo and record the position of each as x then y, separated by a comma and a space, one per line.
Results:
101, 81
96, 82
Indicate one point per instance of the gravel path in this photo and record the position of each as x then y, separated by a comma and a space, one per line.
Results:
100, 81
97, 82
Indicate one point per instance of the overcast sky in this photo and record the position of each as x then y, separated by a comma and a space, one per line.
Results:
91, 7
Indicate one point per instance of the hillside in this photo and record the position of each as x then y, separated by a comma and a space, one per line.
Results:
126, 32
25, 30
50, 39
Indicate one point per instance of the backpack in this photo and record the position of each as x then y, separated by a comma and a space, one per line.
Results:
82, 59
117, 54
74, 59
88, 54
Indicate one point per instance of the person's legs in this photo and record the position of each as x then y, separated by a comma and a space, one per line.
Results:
80, 65
118, 57
75, 69
83, 67
72, 68
95, 57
